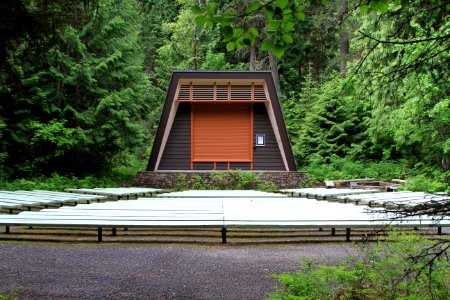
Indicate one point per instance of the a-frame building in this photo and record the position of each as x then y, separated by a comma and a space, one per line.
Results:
221, 120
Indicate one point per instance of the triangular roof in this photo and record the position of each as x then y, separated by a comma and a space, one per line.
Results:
169, 109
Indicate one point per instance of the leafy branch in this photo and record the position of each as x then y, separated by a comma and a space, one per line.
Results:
279, 15
408, 42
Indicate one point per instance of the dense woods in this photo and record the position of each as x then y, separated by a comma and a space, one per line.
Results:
82, 82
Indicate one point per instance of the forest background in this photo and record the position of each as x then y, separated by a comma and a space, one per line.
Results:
363, 84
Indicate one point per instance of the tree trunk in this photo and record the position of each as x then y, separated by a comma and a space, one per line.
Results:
274, 70
194, 46
252, 58
344, 42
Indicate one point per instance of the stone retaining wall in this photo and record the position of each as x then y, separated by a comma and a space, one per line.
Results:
170, 179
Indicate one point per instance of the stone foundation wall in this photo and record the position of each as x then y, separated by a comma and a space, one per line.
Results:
170, 179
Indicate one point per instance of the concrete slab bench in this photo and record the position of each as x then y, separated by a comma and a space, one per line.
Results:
326, 194
119, 193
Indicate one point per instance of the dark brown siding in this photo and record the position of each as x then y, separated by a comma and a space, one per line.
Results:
177, 153
267, 157
239, 166
203, 166
221, 166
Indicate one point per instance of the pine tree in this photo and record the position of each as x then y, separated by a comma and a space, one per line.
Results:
329, 124
81, 102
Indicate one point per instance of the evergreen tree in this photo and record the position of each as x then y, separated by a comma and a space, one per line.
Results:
328, 124
404, 76
81, 102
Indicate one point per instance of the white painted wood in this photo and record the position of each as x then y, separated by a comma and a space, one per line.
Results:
215, 212
116, 191
219, 194
326, 192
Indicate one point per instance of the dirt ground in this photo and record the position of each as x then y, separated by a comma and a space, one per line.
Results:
152, 271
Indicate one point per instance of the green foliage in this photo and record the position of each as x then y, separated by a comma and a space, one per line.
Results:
77, 99
277, 34
9, 296
81, 101
323, 121
217, 61
231, 180
347, 168
422, 183
403, 77
56, 183
396, 269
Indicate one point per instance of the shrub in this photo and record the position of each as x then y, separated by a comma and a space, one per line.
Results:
346, 168
407, 266
423, 183
56, 183
232, 180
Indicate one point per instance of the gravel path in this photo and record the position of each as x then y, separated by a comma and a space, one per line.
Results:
161, 271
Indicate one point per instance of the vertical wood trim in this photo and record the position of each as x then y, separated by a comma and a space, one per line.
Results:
253, 92
276, 131
215, 92
215, 166
229, 91
266, 91
251, 133
191, 92
228, 166
169, 124
192, 135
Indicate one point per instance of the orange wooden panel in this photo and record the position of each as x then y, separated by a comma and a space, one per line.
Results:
221, 132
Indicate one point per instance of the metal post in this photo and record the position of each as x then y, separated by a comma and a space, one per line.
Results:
333, 231
439, 230
347, 234
224, 235
114, 232
99, 234
7, 229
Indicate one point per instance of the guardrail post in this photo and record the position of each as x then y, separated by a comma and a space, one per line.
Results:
114, 232
99, 234
347, 234
439, 230
333, 231
224, 235
6, 229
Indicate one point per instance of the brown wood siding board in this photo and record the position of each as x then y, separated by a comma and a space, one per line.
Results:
220, 75
222, 166
203, 166
177, 153
240, 166
162, 125
267, 157
276, 106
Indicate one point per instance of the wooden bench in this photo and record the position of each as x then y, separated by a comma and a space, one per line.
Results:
20, 200
218, 213
119, 193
